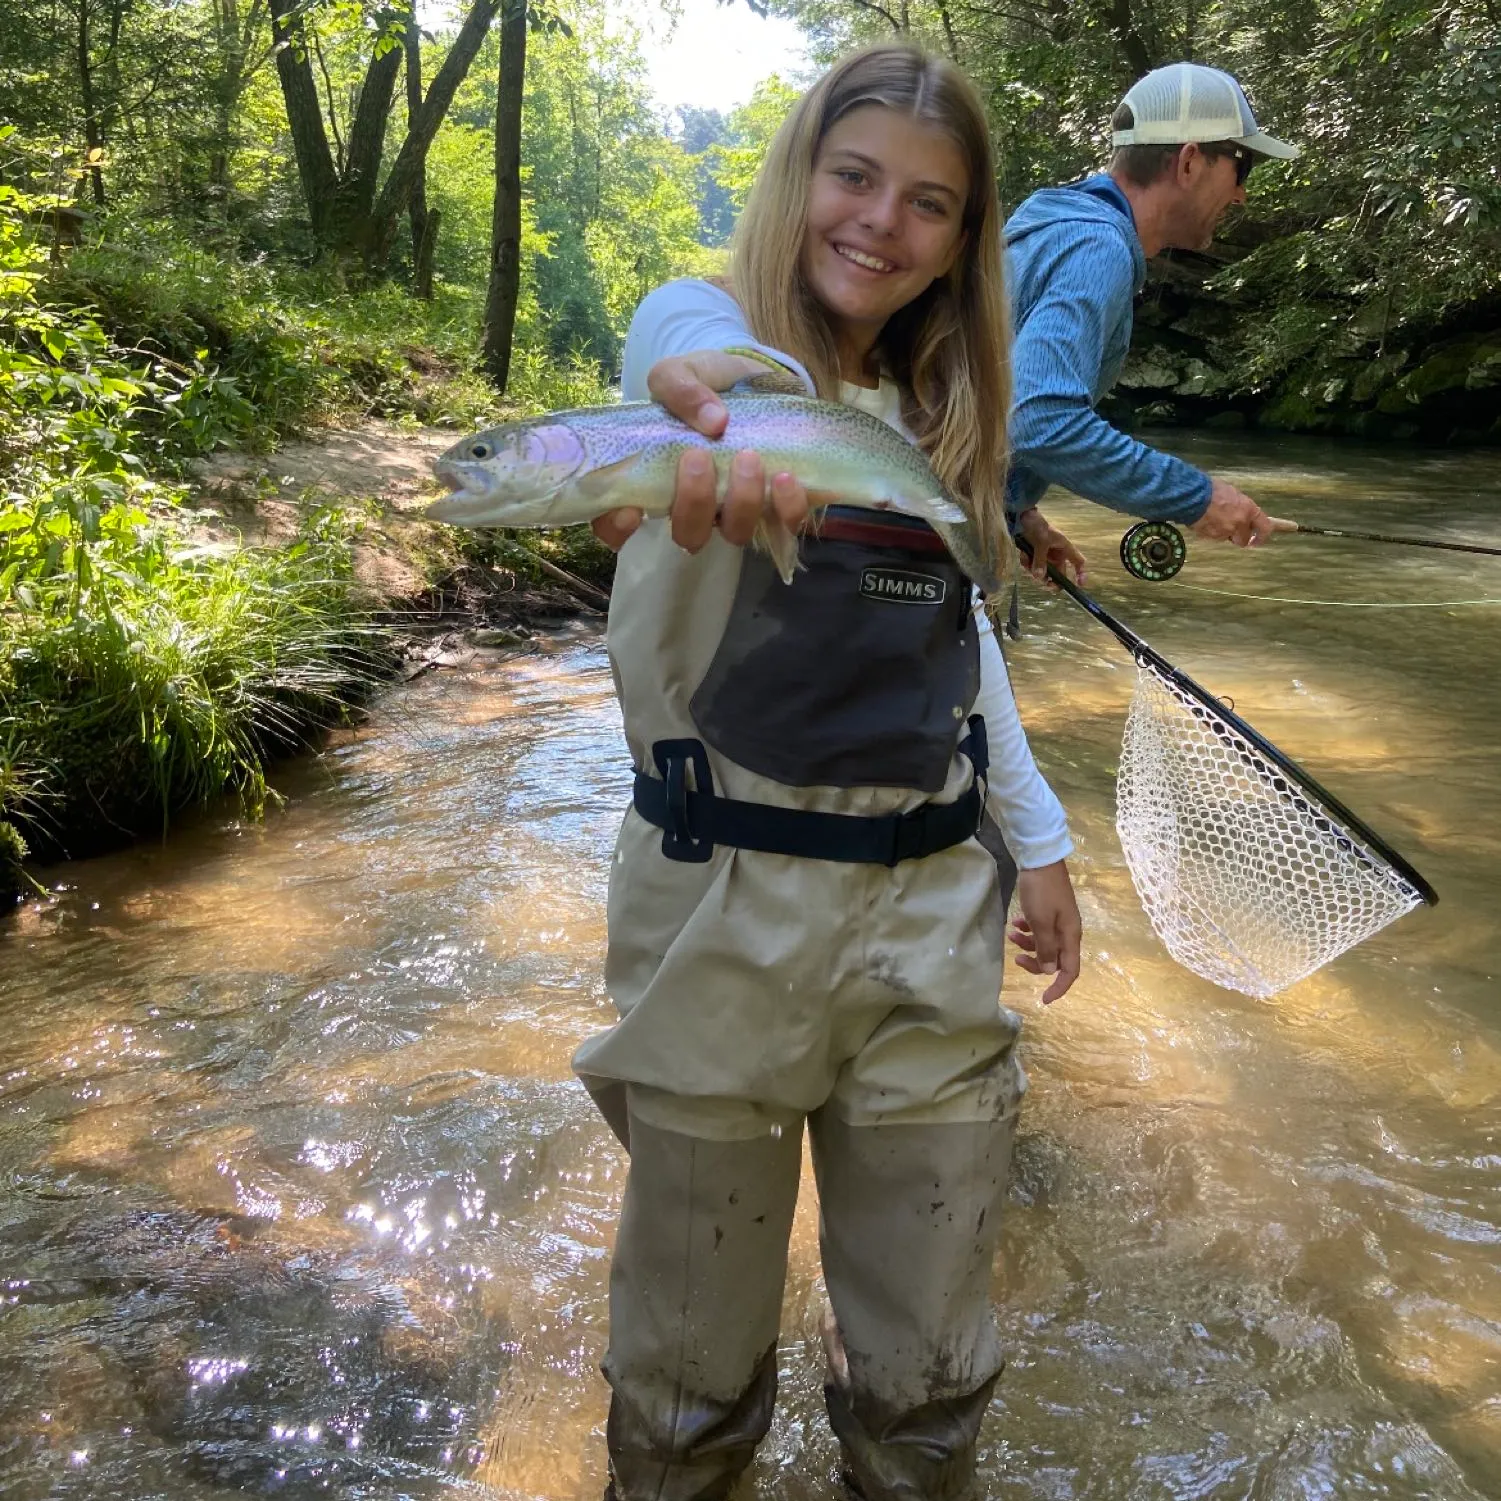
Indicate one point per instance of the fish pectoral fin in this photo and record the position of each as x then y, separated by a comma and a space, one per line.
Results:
597, 484
817, 500
773, 538
939, 510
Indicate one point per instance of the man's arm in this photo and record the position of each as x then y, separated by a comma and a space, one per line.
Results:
1055, 430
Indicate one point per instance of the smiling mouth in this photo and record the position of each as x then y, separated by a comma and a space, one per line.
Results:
860, 258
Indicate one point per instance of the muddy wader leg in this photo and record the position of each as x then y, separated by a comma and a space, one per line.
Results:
910, 1216
695, 1303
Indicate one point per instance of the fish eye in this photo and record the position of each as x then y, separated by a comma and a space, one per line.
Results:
480, 450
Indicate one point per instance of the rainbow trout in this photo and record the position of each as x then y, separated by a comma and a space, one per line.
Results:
567, 467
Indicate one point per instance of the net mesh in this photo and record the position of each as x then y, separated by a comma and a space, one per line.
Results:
1248, 881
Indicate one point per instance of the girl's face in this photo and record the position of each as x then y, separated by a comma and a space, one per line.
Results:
885, 217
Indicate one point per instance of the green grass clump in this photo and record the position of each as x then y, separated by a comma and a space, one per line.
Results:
151, 674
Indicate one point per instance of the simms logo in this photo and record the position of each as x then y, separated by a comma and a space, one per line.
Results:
902, 588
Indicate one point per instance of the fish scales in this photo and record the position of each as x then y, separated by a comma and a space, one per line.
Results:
563, 468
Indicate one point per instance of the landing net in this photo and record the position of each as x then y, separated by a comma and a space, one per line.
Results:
1247, 875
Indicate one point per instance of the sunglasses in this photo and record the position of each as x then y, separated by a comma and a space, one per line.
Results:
1244, 160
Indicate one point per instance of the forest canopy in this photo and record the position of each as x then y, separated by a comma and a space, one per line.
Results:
330, 132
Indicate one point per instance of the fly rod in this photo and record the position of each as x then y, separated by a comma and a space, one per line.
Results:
1156, 550
1334, 531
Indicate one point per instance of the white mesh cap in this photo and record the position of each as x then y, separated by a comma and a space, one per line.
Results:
1186, 102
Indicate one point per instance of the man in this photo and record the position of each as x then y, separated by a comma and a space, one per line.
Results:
1185, 141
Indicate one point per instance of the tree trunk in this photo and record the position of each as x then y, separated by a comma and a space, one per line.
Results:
92, 126
239, 59
315, 164
350, 228
367, 137
226, 14
505, 234
412, 158
423, 256
348, 216
1123, 27
951, 42
423, 244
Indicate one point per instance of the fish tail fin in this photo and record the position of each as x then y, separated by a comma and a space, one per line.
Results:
960, 537
774, 538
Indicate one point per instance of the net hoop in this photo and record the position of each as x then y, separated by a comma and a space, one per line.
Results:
1252, 874
1248, 877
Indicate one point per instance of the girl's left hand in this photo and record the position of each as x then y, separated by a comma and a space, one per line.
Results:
1048, 930
1049, 545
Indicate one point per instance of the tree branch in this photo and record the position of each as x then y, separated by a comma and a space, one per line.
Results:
881, 10
328, 89
948, 31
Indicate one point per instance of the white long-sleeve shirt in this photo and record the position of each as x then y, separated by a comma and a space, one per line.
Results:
685, 316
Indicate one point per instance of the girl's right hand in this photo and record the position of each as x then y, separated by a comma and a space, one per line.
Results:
1048, 930
688, 386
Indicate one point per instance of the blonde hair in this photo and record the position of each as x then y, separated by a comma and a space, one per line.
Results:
949, 348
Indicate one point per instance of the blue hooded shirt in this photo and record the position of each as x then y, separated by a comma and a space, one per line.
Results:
1074, 265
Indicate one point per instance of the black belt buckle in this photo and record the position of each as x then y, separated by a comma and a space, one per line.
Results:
673, 758
908, 836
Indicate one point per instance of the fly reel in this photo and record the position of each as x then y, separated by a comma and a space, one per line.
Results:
1153, 550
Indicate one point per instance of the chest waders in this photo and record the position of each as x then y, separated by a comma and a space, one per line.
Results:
805, 929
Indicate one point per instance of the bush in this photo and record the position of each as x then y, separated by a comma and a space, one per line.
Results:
141, 671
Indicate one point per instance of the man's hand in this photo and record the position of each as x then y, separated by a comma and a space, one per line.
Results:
1048, 930
1049, 545
1234, 517
688, 386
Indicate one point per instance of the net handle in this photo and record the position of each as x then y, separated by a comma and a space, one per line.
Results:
1143, 652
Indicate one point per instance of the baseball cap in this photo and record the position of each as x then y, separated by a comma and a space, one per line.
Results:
1186, 102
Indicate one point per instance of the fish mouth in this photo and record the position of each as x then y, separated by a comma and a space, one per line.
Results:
462, 503
449, 478
461, 506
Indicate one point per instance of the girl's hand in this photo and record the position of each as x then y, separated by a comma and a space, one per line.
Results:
1049, 545
1048, 931
688, 386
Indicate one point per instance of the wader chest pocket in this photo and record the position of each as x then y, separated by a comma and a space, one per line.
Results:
859, 673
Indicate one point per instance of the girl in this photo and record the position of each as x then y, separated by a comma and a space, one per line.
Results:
803, 926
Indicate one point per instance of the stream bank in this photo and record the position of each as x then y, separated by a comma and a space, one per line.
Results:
327, 530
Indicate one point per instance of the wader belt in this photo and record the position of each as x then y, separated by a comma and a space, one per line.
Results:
877, 529
695, 819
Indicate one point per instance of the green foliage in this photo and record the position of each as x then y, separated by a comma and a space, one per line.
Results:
749, 132
619, 212
703, 130
145, 673
140, 670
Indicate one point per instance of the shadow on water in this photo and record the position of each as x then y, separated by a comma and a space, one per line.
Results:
300, 1196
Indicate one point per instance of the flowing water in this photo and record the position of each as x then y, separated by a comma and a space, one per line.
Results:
299, 1197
